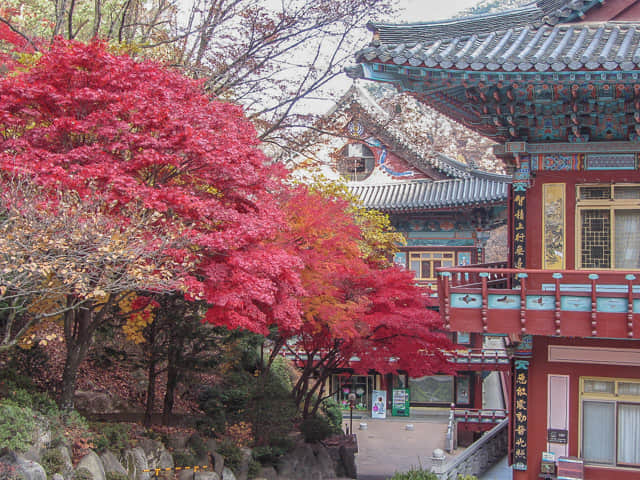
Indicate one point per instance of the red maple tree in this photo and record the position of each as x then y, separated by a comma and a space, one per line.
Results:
354, 306
139, 136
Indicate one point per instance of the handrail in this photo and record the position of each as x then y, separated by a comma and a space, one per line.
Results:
479, 415
484, 287
465, 463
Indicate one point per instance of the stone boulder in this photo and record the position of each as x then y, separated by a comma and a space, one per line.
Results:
218, 462
135, 462
200, 475
308, 461
41, 439
227, 474
23, 467
93, 464
267, 473
61, 452
111, 463
93, 402
243, 472
157, 455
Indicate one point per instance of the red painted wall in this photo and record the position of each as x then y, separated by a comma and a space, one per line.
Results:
537, 405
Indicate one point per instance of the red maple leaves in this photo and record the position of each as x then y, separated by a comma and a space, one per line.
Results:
86, 120
256, 251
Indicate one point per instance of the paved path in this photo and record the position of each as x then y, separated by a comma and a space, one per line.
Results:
386, 446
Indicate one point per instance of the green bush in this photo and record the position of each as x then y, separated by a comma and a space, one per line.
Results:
184, 458
333, 412
415, 474
111, 436
254, 469
467, 477
315, 429
53, 462
267, 455
281, 371
37, 401
17, 426
232, 455
197, 445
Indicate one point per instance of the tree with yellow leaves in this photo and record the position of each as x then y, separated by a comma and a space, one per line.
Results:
67, 259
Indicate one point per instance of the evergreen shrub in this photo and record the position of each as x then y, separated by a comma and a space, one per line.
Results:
111, 436
231, 453
315, 429
17, 426
333, 412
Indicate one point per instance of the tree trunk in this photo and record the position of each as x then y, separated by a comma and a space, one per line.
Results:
70, 376
152, 374
78, 333
173, 360
151, 389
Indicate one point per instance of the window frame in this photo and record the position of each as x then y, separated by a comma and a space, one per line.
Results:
615, 398
611, 204
450, 255
368, 162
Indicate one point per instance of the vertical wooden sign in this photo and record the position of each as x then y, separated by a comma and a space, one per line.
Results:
520, 415
519, 229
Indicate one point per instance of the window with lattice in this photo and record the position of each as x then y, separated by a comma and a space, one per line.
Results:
608, 226
424, 264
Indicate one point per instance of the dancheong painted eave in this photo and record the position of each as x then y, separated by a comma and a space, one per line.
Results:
422, 195
565, 47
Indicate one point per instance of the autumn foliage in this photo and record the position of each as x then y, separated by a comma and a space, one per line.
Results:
85, 120
142, 171
355, 305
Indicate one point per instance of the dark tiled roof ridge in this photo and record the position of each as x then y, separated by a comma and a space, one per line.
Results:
425, 194
573, 47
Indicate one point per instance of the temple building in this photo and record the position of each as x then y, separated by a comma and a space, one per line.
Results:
556, 84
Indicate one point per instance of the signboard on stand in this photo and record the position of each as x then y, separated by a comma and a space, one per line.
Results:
379, 404
400, 402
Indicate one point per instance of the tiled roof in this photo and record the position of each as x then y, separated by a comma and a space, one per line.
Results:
417, 195
563, 47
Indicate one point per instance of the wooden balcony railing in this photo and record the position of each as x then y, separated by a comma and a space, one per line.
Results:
479, 359
541, 302
479, 415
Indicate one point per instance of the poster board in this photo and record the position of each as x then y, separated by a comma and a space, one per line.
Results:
379, 404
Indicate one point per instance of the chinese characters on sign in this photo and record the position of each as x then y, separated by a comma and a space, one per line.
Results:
521, 394
519, 237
